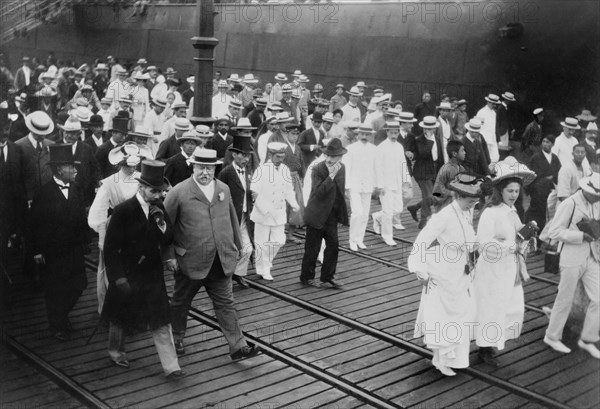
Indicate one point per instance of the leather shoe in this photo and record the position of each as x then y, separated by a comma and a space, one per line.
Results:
556, 345
413, 212
61, 336
336, 285
311, 283
241, 281
178, 374
179, 347
244, 352
590, 347
486, 354
422, 223
122, 363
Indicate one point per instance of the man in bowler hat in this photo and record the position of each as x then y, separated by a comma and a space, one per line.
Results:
326, 208
59, 238
138, 232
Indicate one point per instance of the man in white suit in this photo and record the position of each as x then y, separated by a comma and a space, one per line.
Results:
360, 182
392, 179
271, 188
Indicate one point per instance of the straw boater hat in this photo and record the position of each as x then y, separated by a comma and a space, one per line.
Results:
105, 100
511, 168
179, 105
586, 115
592, 128
159, 102
467, 185
222, 84
445, 105
235, 103
153, 174
297, 73
141, 130
39, 123
429, 122
276, 147
303, 78
142, 61
461, 102
203, 156
281, 77
101, 67
46, 92
249, 79
509, 96
591, 184
71, 125
474, 125
283, 117
62, 154
126, 98
82, 114
318, 88
340, 86
275, 107
47, 75
128, 153
241, 144
170, 71
493, 98
233, 78
361, 84
182, 124
391, 125
538, 111
203, 131
365, 128
243, 125
191, 135
406, 117
328, 117
571, 123
335, 148
354, 91
139, 76
286, 88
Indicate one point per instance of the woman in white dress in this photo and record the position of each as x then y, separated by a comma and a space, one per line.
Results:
442, 258
501, 268
114, 189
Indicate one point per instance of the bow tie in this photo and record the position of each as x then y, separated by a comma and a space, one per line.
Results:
241, 171
63, 187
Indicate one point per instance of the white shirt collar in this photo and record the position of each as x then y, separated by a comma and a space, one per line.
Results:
548, 156
143, 203
33, 141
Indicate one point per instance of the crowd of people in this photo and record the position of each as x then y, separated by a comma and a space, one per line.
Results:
115, 150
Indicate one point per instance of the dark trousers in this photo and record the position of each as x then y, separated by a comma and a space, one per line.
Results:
426, 187
312, 246
218, 288
64, 281
538, 206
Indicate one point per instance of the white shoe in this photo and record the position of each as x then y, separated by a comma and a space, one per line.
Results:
361, 245
399, 226
376, 225
591, 348
557, 345
390, 242
446, 370
547, 311
353, 246
267, 277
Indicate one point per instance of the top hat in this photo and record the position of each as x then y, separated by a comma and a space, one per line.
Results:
62, 154
571, 123
241, 144
335, 148
96, 120
153, 174
120, 125
591, 184
203, 156
493, 98
509, 96
39, 123
467, 185
429, 122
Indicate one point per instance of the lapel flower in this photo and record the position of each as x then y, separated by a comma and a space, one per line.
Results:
221, 196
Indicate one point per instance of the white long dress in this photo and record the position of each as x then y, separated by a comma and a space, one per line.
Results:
115, 189
498, 289
447, 309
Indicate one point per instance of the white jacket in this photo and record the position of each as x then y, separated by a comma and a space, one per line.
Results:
273, 188
360, 167
391, 169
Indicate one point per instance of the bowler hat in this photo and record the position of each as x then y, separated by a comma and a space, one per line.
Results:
153, 174
120, 125
62, 154
335, 148
241, 144
96, 120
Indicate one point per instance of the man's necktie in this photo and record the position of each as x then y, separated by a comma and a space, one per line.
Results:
38, 148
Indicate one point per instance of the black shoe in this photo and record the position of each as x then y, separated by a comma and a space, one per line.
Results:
61, 336
179, 348
241, 281
422, 223
413, 212
311, 283
176, 375
244, 352
336, 285
486, 355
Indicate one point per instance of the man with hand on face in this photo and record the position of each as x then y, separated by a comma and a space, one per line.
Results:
206, 250
120, 127
138, 233
326, 208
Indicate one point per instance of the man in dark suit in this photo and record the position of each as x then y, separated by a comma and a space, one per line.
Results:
138, 232
59, 239
94, 135
429, 159
170, 147
118, 135
222, 139
326, 208
257, 115
311, 140
477, 156
178, 169
24, 81
591, 146
18, 128
423, 109
546, 165
88, 171
237, 177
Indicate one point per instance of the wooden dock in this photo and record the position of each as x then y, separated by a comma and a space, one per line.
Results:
323, 348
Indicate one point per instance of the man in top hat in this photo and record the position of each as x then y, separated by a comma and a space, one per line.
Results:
88, 171
351, 110
60, 238
155, 121
206, 249
487, 114
579, 261
95, 135
360, 182
392, 181
221, 100
564, 143
138, 233
326, 208
320, 106
532, 135
272, 187
178, 169
338, 100
170, 147
243, 130
311, 139
101, 81
257, 115
237, 177
118, 135
428, 159
477, 157
505, 121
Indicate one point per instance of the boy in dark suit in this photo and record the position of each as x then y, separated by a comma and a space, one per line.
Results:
178, 169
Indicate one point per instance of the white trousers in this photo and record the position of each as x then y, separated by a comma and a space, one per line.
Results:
163, 341
242, 266
391, 205
268, 240
360, 203
589, 274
